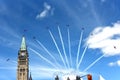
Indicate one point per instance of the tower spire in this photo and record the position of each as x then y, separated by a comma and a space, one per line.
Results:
30, 76
23, 62
23, 44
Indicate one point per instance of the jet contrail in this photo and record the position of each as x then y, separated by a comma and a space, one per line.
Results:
93, 63
69, 45
43, 57
57, 48
48, 52
78, 52
63, 47
82, 57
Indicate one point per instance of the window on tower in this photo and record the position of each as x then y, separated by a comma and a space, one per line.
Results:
22, 57
20, 74
22, 63
22, 70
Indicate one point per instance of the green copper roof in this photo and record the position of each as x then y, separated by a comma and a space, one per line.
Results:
23, 44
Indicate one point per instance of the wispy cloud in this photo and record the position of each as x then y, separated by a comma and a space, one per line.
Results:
3, 8
48, 10
117, 63
103, 1
7, 63
8, 35
94, 12
5, 28
12, 43
7, 67
106, 38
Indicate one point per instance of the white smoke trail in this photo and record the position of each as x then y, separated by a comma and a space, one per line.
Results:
48, 61
63, 47
82, 57
69, 44
57, 48
48, 52
93, 63
78, 52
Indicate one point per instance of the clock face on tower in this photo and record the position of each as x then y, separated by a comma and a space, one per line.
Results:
23, 54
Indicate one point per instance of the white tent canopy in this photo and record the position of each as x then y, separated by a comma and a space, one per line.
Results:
101, 78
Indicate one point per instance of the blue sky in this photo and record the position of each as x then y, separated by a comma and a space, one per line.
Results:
94, 35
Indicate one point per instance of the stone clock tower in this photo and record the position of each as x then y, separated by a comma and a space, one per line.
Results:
23, 62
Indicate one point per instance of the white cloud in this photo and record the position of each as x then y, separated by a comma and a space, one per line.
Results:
47, 11
117, 63
107, 39
112, 64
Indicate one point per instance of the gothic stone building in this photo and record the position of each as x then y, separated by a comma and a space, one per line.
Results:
23, 62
